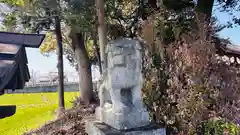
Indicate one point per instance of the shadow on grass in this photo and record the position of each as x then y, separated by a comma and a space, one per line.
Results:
7, 111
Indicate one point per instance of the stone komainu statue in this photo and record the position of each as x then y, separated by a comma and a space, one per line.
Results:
120, 91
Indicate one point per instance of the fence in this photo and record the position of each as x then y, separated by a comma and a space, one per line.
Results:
39, 88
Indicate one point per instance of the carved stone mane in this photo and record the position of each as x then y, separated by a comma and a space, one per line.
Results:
124, 62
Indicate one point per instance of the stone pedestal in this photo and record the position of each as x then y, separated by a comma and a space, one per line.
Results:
94, 127
135, 117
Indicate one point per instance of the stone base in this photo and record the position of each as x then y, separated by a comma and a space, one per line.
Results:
126, 120
94, 127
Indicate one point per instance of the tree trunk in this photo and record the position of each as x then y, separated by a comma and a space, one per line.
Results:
204, 13
101, 32
60, 65
84, 68
152, 3
205, 7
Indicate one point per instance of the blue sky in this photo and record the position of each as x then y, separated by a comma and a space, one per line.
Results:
43, 64
232, 33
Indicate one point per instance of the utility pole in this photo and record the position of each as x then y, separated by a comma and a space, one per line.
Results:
60, 64
101, 32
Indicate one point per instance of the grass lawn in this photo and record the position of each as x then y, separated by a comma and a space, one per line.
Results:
33, 110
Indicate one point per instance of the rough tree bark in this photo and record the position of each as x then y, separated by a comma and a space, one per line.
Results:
204, 13
205, 7
101, 32
84, 68
60, 65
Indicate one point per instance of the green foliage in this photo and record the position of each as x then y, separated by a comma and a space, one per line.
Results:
78, 15
219, 127
10, 21
13, 2
89, 47
49, 44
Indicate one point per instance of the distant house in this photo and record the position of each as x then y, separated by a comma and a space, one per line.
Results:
225, 48
44, 79
50, 79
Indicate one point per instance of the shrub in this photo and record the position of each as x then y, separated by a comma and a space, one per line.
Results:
186, 84
220, 127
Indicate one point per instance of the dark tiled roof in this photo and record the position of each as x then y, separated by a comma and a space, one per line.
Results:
14, 70
225, 47
28, 40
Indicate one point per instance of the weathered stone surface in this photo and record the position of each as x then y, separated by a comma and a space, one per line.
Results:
94, 127
125, 120
120, 93
121, 110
